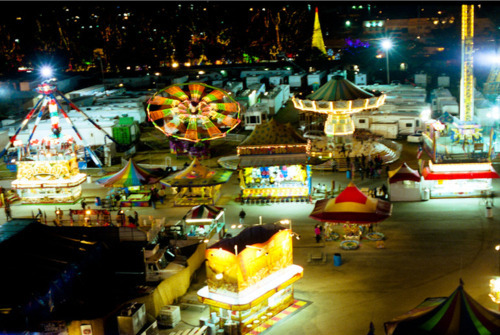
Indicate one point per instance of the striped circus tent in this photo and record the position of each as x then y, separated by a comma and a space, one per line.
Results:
351, 206
131, 175
458, 314
204, 213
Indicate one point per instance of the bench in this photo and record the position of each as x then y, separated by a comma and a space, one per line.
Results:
316, 257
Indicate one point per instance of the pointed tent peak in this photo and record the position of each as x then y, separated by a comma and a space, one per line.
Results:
273, 132
351, 194
404, 172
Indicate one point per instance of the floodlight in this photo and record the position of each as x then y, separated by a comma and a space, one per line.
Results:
386, 44
46, 71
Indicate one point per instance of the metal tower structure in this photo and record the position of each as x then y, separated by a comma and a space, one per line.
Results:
467, 80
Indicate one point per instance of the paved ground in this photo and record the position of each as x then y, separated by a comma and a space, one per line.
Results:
429, 246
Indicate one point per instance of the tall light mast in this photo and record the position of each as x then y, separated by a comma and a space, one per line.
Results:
467, 80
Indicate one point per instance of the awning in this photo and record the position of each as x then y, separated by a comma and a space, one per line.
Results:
272, 160
429, 175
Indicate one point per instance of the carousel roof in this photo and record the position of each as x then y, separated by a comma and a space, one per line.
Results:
273, 133
339, 88
351, 206
197, 175
458, 314
339, 95
131, 175
404, 172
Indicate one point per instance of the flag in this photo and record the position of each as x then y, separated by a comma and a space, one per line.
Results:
419, 151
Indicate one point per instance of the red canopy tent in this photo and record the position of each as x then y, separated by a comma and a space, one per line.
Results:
351, 206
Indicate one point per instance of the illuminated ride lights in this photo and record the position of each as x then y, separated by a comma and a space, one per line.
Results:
193, 112
339, 98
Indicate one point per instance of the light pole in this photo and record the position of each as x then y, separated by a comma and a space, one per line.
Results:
387, 45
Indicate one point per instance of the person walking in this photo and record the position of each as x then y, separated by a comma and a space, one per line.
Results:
162, 194
317, 232
84, 204
242, 216
8, 213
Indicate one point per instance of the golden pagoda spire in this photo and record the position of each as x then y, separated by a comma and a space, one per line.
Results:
317, 39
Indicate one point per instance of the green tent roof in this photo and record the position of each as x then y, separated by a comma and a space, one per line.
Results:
339, 88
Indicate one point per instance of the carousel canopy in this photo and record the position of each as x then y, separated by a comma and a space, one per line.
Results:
131, 175
404, 172
203, 213
351, 206
458, 314
273, 133
339, 95
339, 88
197, 175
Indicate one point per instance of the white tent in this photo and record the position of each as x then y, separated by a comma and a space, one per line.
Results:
404, 184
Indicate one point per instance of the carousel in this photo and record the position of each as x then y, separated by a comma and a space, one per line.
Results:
47, 168
332, 105
355, 210
197, 184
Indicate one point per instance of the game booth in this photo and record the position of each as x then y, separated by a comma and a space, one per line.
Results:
250, 278
459, 179
404, 184
203, 222
197, 184
273, 165
136, 180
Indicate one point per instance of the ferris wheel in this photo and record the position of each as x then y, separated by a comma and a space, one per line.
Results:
193, 112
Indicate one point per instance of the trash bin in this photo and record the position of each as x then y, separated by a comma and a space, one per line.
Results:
337, 260
489, 212
426, 194
348, 174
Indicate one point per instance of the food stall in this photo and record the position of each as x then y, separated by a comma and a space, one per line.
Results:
197, 184
49, 179
203, 222
273, 165
459, 179
250, 277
